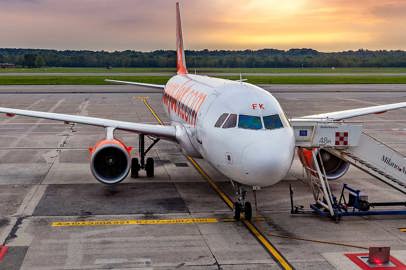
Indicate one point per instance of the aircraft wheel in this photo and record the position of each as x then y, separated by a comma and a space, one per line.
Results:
247, 211
149, 167
135, 168
237, 211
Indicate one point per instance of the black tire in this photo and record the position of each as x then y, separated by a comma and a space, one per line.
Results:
237, 211
247, 211
149, 167
364, 206
135, 168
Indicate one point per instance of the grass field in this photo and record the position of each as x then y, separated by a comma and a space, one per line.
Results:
85, 70
99, 80
205, 70
76, 80
301, 70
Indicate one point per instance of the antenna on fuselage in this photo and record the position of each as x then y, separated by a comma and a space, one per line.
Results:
241, 79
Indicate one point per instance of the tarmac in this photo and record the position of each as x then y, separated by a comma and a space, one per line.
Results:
376, 89
55, 215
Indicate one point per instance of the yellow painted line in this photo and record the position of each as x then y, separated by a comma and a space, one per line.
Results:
141, 97
402, 229
233, 220
223, 196
152, 111
89, 223
248, 224
264, 241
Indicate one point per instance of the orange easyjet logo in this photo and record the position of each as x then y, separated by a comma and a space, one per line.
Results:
184, 101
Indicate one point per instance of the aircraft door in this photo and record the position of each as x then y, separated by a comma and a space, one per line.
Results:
200, 129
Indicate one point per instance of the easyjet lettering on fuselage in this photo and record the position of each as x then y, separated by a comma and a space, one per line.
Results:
183, 101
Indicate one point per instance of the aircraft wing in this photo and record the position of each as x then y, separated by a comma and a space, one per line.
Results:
341, 115
165, 132
160, 86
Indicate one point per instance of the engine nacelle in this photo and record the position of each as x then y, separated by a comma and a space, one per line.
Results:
335, 167
110, 161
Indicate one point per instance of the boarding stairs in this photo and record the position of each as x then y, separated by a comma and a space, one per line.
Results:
361, 150
377, 159
347, 141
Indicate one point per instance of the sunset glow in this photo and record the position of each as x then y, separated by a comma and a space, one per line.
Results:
325, 25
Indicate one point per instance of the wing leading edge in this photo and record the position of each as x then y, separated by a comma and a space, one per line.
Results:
160, 86
341, 115
165, 132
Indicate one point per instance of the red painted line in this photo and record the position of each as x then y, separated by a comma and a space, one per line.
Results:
3, 251
354, 257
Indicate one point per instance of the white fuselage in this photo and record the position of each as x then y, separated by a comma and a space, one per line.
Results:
253, 142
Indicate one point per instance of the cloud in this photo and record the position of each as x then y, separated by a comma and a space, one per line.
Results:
237, 24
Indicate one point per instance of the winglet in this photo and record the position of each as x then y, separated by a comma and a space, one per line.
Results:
180, 52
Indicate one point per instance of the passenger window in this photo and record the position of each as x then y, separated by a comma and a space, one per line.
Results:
249, 122
231, 121
273, 122
221, 120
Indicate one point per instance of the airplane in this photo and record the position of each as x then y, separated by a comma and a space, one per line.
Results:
238, 128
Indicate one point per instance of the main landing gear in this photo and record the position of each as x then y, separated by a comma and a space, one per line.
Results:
142, 164
242, 205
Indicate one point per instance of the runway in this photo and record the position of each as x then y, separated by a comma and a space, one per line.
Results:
54, 215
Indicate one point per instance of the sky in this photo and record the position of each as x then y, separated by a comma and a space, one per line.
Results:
146, 25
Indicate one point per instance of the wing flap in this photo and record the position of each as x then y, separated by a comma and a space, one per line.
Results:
166, 132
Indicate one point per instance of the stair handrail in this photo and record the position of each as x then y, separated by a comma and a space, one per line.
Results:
380, 142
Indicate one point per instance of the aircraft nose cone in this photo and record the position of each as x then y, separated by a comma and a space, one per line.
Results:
266, 162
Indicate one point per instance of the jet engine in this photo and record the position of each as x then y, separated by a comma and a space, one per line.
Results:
110, 161
334, 166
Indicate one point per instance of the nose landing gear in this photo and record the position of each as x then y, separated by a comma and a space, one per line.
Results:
242, 205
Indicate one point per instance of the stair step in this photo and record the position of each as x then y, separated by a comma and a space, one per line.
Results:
361, 155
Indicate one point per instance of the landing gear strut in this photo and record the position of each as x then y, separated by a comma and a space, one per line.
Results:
242, 205
148, 165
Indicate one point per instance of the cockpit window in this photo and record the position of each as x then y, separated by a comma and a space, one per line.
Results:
221, 120
231, 121
249, 122
273, 122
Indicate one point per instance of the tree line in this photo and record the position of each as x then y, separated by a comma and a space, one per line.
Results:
266, 58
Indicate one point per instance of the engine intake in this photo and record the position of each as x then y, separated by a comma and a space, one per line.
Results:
110, 161
334, 166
